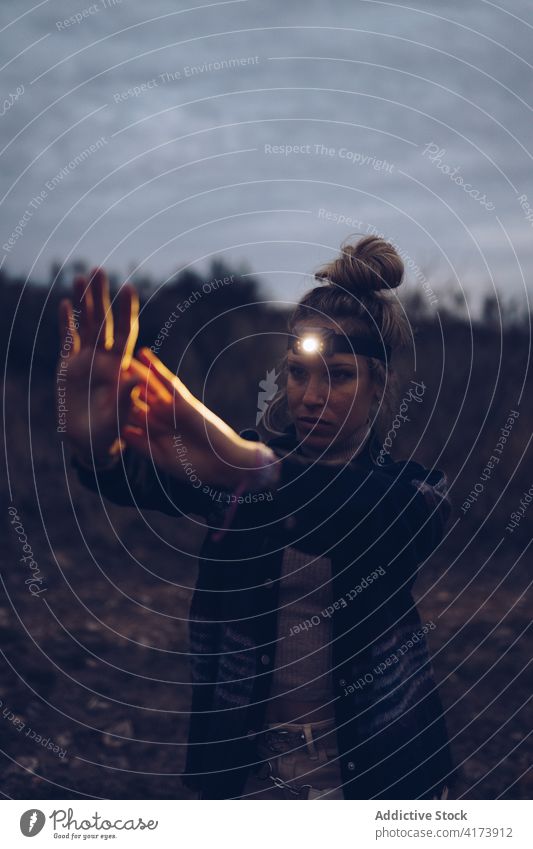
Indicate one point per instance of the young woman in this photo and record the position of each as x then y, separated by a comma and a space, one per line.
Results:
310, 670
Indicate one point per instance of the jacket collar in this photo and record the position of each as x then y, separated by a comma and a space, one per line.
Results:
288, 441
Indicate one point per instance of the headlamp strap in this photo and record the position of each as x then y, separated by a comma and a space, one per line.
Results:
339, 343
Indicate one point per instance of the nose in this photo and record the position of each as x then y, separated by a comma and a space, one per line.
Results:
316, 392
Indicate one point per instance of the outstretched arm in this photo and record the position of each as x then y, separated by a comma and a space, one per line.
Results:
132, 480
169, 424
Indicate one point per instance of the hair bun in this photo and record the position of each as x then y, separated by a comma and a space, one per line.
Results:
367, 266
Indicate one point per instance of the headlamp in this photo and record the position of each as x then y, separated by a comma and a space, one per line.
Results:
324, 341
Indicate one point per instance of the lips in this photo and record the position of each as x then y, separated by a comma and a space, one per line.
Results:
311, 422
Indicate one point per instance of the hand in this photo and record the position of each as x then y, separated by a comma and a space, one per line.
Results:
179, 433
94, 376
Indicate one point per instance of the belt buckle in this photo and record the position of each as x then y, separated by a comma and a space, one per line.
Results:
277, 740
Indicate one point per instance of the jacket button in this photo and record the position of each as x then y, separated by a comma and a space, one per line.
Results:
290, 522
342, 682
351, 766
268, 583
265, 659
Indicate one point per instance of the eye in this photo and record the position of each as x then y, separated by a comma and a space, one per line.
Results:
342, 375
297, 372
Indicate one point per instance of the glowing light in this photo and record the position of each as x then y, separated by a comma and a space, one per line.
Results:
310, 343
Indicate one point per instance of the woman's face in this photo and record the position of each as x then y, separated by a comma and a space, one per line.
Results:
328, 397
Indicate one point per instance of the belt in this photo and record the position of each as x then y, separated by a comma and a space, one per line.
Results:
279, 740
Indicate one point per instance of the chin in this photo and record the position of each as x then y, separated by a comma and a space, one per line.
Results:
307, 436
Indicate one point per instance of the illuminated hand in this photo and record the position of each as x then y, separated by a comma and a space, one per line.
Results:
93, 375
168, 424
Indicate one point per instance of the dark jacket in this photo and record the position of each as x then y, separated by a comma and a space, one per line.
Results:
377, 523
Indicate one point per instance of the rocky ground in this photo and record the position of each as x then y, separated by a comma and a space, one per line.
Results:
96, 666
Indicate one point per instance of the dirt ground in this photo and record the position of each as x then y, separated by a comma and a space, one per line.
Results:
96, 666
94, 675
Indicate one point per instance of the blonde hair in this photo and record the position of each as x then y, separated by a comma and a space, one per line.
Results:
354, 291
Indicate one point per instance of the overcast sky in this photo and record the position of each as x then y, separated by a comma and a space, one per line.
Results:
162, 134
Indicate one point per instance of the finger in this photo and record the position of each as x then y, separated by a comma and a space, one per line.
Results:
133, 430
84, 303
186, 406
169, 380
126, 323
139, 404
151, 381
102, 312
144, 417
145, 400
67, 326
146, 394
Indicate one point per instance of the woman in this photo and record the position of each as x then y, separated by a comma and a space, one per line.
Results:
311, 677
